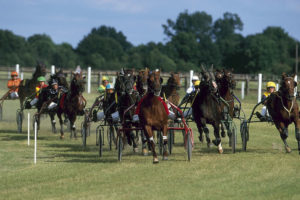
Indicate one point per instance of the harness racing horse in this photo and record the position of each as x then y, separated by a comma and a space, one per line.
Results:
207, 109
284, 110
73, 103
141, 83
27, 86
127, 98
170, 92
153, 114
226, 84
46, 97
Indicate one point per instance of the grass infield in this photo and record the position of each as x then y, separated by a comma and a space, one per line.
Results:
66, 170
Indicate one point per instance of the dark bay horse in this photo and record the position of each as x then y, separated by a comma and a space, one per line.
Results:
153, 115
73, 103
127, 98
284, 109
207, 108
226, 84
45, 97
27, 86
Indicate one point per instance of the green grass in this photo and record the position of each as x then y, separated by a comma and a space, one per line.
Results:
65, 170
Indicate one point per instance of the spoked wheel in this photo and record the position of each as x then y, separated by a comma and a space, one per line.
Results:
83, 134
1, 111
170, 140
189, 145
19, 120
244, 134
160, 142
100, 143
233, 139
110, 137
97, 136
120, 147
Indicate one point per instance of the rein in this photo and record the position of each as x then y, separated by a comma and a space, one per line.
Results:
285, 108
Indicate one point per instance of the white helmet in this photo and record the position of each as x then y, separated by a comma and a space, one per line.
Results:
195, 78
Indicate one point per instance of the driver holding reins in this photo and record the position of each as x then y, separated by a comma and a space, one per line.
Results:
264, 112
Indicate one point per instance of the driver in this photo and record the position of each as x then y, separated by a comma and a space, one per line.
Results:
262, 116
13, 86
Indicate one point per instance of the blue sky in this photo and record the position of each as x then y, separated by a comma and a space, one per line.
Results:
140, 20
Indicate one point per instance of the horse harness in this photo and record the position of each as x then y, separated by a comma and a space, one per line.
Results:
285, 108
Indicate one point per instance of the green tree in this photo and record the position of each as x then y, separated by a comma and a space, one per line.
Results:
41, 47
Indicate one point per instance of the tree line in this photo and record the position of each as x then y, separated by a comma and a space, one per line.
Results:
192, 40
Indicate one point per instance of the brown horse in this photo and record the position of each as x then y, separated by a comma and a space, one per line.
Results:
141, 83
284, 110
170, 91
153, 115
73, 103
27, 86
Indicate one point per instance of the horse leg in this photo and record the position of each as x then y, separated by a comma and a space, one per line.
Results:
149, 133
223, 131
73, 127
297, 133
132, 137
53, 122
217, 141
61, 125
165, 139
206, 131
144, 140
284, 135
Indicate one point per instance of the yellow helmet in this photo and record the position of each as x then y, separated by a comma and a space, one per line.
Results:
105, 78
271, 84
197, 83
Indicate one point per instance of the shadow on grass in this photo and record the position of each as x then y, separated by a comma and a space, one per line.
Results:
19, 136
72, 147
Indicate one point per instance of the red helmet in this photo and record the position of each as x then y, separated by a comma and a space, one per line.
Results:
14, 73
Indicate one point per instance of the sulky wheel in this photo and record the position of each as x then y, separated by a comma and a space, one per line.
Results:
233, 139
170, 140
110, 137
120, 147
83, 134
1, 111
244, 134
189, 145
19, 120
100, 143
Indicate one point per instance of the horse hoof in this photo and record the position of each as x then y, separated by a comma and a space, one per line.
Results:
165, 157
62, 137
145, 152
288, 149
135, 150
220, 151
155, 160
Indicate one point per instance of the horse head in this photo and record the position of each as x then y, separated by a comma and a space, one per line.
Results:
174, 80
229, 78
61, 78
287, 86
154, 82
78, 82
142, 78
125, 82
40, 70
208, 80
